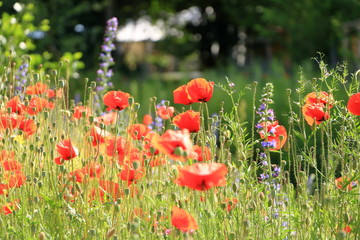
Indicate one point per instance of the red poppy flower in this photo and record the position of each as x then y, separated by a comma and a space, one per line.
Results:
107, 118
341, 182
38, 88
116, 100
28, 126
181, 96
79, 110
149, 149
138, 131
276, 134
70, 192
175, 144
3, 189
202, 153
107, 190
37, 104
91, 170
98, 135
50, 93
183, 220
354, 104
78, 175
202, 176
10, 207
147, 119
54, 93
67, 151
14, 179
200, 90
7, 155
347, 229
118, 147
321, 97
315, 113
230, 204
157, 161
131, 155
165, 112
16, 105
11, 165
10, 120
130, 174
189, 120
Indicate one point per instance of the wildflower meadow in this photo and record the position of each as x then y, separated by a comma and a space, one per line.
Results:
98, 169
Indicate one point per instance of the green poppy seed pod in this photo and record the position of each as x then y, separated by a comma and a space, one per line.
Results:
40, 184
234, 188
101, 158
313, 80
91, 119
252, 205
159, 196
102, 126
9, 110
127, 191
43, 174
92, 232
93, 85
223, 205
26, 102
232, 236
41, 236
347, 218
136, 165
53, 72
261, 196
78, 188
118, 201
159, 214
35, 180
341, 235
246, 223
33, 228
62, 168
36, 77
116, 208
173, 196
36, 199
136, 106
178, 151
46, 115
110, 233
32, 164
115, 237
288, 91
61, 83
131, 101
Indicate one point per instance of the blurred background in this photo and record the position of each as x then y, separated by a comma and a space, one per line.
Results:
162, 44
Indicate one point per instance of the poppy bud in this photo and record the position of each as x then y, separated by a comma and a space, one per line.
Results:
110, 233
